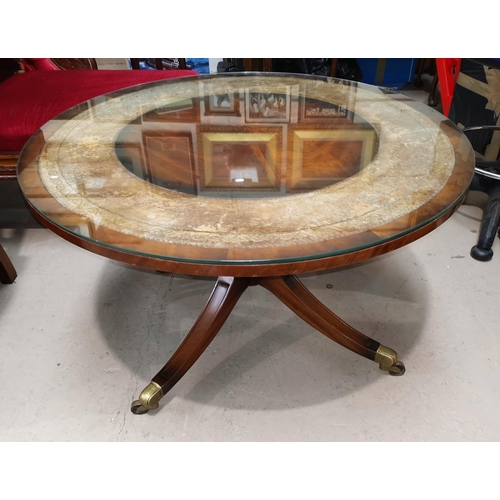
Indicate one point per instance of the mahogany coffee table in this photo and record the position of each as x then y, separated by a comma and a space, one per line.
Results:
253, 178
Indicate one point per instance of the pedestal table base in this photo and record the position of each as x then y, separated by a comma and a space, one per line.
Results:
224, 297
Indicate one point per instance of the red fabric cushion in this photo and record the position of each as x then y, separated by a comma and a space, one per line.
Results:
29, 100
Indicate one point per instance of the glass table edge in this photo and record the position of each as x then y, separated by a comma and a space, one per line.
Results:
250, 262
263, 262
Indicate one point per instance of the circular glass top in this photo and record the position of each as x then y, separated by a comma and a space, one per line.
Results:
245, 168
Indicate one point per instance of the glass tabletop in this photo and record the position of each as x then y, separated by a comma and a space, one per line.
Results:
245, 168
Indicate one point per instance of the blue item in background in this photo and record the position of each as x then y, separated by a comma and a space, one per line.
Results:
199, 65
391, 73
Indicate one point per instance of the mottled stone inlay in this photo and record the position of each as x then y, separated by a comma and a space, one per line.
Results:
79, 168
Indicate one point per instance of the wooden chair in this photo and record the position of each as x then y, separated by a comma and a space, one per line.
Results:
7, 272
8, 161
21, 116
27, 100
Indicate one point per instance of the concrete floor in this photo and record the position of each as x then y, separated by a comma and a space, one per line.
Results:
81, 336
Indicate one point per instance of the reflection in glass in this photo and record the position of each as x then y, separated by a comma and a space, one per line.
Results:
273, 155
185, 170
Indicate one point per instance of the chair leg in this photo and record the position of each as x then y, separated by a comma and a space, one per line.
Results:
7, 272
489, 227
432, 100
418, 75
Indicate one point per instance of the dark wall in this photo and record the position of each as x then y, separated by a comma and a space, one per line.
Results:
7, 68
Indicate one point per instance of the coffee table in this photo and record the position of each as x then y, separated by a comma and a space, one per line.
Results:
251, 178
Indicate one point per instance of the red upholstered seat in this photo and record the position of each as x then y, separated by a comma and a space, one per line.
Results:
29, 100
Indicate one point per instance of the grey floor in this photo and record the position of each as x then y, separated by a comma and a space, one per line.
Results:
80, 336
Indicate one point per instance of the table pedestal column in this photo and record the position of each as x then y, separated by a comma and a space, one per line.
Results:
224, 297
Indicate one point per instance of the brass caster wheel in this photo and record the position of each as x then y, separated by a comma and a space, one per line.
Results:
397, 369
137, 408
388, 361
148, 399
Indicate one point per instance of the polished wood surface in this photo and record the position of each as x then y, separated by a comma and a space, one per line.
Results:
245, 173
330, 174
304, 304
224, 297
75, 63
7, 272
8, 166
227, 290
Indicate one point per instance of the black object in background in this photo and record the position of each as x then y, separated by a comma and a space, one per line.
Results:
469, 108
230, 65
304, 66
348, 69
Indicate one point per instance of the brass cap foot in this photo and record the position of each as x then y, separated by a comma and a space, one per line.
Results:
386, 357
151, 396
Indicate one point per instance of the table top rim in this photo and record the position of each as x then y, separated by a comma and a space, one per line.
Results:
230, 263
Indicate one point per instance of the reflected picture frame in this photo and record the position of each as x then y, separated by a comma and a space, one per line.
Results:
219, 101
167, 153
297, 178
262, 106
265, 144
315, 110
